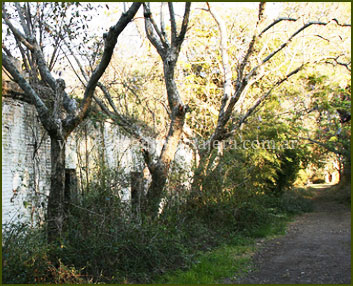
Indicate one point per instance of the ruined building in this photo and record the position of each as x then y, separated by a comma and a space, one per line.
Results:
26, 157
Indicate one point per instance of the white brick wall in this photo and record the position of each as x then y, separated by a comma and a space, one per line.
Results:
20, 130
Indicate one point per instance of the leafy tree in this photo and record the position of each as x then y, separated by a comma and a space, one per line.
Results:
331, 106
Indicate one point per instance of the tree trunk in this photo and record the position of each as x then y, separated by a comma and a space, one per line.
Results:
71, 188
169, 52
345, 175
155, 191
137, 192
201, 171
56, 200
160, 171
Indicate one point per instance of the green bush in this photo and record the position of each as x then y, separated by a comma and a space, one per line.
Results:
105, 242
295, 204
27, 258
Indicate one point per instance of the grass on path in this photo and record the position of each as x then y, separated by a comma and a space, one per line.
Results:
229, 260
214, 265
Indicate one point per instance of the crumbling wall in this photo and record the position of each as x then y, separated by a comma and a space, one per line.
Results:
25, 161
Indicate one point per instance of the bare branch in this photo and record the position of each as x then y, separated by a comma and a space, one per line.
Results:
24, 56
69, 104
163, 31
22, 38
227, 72
29, 17
73, 69
275, 22
77, 62
161, 35
54, 55
266, 95
7, 51
20, 13
150, 32
172, 23
321, 37
125, 123
103, 107
43, 111
251, 44
339, 24
99, 84
107, 96
291, 38
271, 55
184, 24
110, 42
337, 62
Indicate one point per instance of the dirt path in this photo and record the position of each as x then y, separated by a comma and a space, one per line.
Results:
316, 249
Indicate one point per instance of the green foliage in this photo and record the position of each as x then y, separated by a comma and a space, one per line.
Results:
112, 245
212, 266
341, 194
263, 159
104, 242
27, 258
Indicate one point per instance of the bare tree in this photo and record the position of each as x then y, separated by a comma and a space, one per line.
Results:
30, 32
247, 72
246, 75
168, 49
169, 52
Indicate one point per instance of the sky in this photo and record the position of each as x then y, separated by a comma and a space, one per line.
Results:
272, 9
111, 11
110, 16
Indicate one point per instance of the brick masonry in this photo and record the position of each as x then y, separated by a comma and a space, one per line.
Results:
22, 167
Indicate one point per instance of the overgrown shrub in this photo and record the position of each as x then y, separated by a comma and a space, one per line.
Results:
27, 258
105, 242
